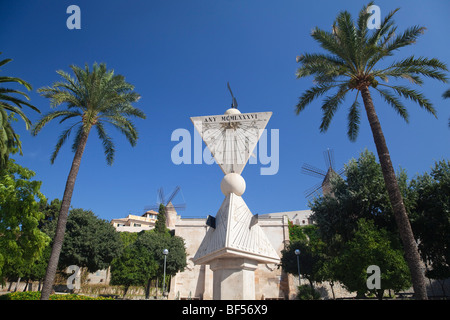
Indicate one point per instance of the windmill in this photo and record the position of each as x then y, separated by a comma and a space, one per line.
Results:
171, 209
324, 186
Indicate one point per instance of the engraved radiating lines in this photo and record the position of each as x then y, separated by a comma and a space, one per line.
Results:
231, 139
242, 235
239, 227
235, 231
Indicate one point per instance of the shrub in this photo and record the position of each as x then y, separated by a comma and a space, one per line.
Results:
36, 295
305, 292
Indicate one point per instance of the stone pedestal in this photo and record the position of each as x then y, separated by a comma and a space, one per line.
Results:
234, 278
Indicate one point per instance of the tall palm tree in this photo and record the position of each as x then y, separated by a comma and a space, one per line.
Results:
9, 140
352, 63
94, 98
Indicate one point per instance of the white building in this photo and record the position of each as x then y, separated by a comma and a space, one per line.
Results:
133, 223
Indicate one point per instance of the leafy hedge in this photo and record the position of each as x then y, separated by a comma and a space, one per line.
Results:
36, 295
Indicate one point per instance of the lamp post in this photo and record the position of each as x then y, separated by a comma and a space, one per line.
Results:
165, 253
297, 253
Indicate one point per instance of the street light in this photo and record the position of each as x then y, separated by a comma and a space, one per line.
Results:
165, 253
297, 253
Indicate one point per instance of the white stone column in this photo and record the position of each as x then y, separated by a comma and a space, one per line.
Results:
234, 278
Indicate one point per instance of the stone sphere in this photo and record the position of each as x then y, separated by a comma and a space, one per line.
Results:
232, 111
233, 183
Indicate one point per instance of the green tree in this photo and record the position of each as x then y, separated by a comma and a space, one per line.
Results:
311, 254
156, 242
371, 246
50, 210
9, 140
160, 224
134, 267
89, 242
21, 241
94, 97
431, 221
37, 270
362, 194
353, 62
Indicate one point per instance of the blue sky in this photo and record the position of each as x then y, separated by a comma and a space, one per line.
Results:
180, 55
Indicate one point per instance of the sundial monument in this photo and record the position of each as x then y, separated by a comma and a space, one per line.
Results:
234, 244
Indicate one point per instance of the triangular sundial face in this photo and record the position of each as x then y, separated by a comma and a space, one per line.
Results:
231, 138
235, 234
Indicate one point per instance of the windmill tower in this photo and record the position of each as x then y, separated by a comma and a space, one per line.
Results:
171, 209
324, 186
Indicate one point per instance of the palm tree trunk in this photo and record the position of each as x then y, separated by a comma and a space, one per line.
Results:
404, 227
62, 219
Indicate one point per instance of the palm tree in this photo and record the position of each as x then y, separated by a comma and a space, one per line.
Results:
352, 63
9, 140
94, 98
446, 95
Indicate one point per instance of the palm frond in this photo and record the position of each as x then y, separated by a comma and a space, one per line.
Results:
395, 103
353, 120
107, 143
347, 34
312, 94
446, 94
5, 91
361, 31
125, 126
62, 139
412, 68
330, 42
408, 37
6, 106
17, 80
47, 118
415, 96
330, 105
4, 61
385, 27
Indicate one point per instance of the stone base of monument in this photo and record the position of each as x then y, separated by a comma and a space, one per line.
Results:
233, 250
234, 278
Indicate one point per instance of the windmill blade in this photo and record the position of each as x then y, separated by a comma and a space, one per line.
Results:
341, 171
179, 206
313, 190
313, 171
154, 208
329, 158
162, 199
174, 193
